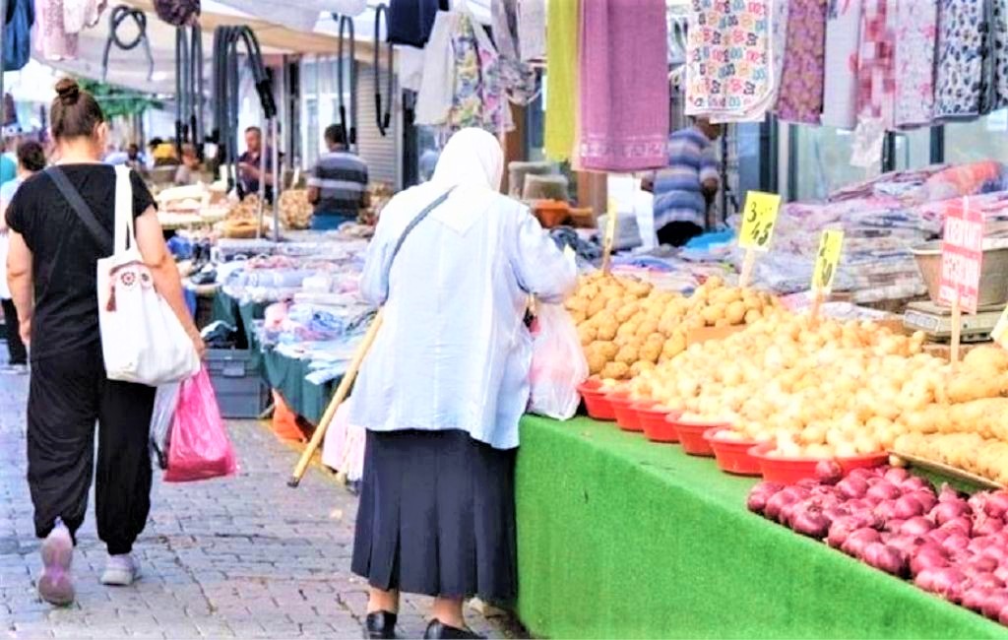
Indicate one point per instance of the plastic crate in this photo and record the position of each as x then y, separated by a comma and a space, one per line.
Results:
241, 391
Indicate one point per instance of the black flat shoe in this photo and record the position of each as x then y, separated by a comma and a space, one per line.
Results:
437, 629
381, 625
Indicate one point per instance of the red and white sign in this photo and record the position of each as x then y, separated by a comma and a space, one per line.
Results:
962, 255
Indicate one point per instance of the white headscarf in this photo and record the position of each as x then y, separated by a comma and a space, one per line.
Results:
473, 163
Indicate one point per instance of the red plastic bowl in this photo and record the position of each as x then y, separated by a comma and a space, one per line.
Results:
654, 419
863, 462
733, 455
691, 435
626, 415
783, 470
596, 400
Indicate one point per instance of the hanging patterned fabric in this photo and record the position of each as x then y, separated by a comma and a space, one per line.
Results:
52, 41
962, 39
561, 78
800, 97
519, 78
17, 36
1000, 11
624, 89
916, 32
461, 84
730, 69
876, 81
840, 87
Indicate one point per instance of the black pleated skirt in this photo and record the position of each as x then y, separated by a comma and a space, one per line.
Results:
437, 516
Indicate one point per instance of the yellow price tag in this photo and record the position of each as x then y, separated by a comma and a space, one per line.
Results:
758, 219
1000, 332
827, 260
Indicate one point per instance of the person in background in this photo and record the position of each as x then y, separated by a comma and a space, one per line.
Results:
338, 183
134, 159
188, 171
441, 406
151, 148
250, 164
8, 163
51, 271
427, 164
31, 160
683, 191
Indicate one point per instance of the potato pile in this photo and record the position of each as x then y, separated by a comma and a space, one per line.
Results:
985, 457
627, 327
295, 210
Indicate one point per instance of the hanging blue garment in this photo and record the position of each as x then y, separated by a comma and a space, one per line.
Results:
17, 34
410, 21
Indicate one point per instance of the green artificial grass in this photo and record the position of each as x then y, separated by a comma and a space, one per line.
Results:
621, 538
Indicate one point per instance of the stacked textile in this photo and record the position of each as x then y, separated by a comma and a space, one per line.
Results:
869, 65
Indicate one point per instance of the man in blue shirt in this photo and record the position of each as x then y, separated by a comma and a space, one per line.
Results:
684, 190
338, 183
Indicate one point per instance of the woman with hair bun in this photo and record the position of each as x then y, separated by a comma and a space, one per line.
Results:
51, 269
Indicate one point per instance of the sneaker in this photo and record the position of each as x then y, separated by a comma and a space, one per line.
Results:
56, 584
120, 571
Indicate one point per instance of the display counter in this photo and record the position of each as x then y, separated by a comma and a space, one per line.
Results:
620, 537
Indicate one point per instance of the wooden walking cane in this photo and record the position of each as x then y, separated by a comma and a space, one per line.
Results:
341, 393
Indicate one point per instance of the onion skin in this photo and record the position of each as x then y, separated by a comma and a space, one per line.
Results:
885, 558
949, 583
984, 525
907, 506
777, 502
926, 497
828, 471
948, 494
883, 491
949, 510
975, 597
995, 602
896, 475
917, 526
856, 542
810, 522
961, 524
852, 487
761, 494
928, 557
997, 504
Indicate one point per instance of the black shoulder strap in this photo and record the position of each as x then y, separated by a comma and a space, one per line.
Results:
409, 228
84, 213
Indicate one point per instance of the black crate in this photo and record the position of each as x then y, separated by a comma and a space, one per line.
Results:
241, 391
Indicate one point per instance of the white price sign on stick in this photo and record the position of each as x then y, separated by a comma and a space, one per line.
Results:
962, 256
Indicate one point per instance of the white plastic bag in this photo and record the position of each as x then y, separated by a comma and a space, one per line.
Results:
142, 338
558, 364
165, 402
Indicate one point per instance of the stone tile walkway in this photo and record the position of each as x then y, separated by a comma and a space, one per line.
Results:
244, 557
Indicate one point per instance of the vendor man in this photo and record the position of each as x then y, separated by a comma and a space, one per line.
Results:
683, 191
338, 183
250, 164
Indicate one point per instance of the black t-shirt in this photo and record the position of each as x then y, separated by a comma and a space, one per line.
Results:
64, 254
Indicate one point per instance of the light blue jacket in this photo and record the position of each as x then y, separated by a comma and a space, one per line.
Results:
454, 352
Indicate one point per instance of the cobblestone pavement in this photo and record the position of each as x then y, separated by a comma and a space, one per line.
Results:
244, 557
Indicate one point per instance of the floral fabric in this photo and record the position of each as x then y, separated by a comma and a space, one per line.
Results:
876, 63
916, 34
962, 34
801, 91
843, 37
729, 50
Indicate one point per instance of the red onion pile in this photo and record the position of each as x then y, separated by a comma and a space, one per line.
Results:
951, 546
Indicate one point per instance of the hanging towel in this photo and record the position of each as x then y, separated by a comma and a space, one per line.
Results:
730, 60
801, 90
411, 21
81, 14
916, 42
624, 89
436, 86
876, 82
561, 78
959, 82
532, 29
518, 78
51, 39
17, 37
840, 90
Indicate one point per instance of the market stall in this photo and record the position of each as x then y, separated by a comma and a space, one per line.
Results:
627, 538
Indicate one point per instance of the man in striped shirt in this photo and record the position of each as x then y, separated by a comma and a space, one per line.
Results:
683, 191
338, 184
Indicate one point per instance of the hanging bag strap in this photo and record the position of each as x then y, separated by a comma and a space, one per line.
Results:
83, 211
409, 229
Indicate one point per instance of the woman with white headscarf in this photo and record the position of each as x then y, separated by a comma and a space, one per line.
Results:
444, 386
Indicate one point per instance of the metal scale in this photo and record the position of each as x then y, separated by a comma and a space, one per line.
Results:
936, 321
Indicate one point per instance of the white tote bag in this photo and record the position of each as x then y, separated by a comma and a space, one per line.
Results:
142, 338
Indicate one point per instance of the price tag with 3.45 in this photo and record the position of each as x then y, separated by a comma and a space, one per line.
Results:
827, 260
1000, 332
758, 219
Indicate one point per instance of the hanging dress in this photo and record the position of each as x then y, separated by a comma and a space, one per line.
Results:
916, 41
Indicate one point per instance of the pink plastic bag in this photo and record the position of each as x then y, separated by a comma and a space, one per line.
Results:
199, 448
